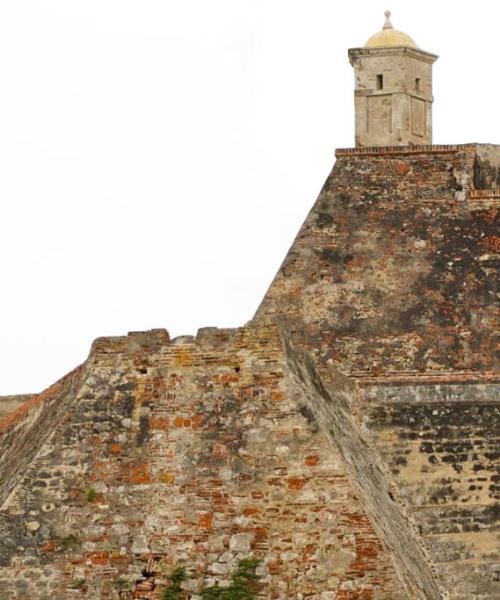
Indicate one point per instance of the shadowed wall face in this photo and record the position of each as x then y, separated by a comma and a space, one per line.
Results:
441, 443
395, 268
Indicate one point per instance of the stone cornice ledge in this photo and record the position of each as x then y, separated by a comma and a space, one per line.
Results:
404, 150
436, 378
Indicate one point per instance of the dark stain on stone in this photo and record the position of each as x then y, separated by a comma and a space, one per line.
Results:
307, 413
485, 176
126, 387
453, 183
143, 430
324, 220
128, 405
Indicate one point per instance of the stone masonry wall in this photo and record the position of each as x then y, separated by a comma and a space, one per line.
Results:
198, 452
442, 443
334, 400
395, 269
393, 279
195, 453
24, 431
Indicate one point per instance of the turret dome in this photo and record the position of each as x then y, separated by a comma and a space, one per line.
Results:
390, 37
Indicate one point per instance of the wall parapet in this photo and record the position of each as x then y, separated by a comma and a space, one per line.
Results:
9, 404
493, 193
404, 150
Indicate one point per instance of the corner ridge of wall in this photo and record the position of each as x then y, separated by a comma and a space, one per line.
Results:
23, 432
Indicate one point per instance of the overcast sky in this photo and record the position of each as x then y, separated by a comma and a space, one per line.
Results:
157, 157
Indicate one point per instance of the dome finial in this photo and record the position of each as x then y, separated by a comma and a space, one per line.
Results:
388, 24
389, 37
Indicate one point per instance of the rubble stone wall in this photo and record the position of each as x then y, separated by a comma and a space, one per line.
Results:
393, 279
24, 431
193, 453
201, 451
395, 269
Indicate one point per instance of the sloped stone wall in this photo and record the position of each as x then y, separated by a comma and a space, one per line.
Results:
395, 269
393, 279
194, 453
334, 400
198, 452
24, 431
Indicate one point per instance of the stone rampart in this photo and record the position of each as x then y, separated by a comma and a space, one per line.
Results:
195, 452
395, 268
380, 483
393, 279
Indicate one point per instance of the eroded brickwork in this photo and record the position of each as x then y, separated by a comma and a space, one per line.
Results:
23, 431
393, 278
195, 452
395, 268
377, 484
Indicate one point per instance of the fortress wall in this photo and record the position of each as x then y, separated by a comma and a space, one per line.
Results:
442, 445
25, 430
200, 451
195, 452
395, 268
393, 279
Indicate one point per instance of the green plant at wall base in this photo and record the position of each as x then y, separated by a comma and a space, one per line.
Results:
243, 584
177, 576
122, 584
68, 541
90, 493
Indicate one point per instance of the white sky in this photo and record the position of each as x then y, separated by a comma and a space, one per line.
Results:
157, 157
